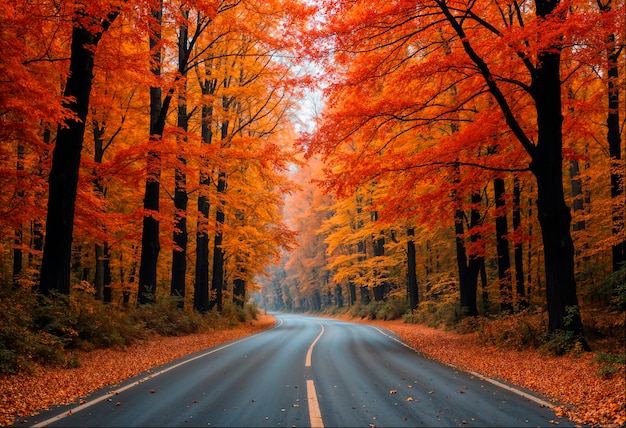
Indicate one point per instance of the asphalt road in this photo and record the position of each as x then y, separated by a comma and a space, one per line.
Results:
306, 371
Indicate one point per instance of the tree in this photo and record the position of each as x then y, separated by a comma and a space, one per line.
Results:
63, 180
382, 54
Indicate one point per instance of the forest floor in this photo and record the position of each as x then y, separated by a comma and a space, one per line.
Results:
573, 383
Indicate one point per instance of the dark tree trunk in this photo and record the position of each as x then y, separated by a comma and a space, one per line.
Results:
201, 284
150, 245
239, 292
546, 165
411, 271
217, 279
484, 288
554, 215
316, 301
63, 179
18, 262
468, 270
518, 250
615, 148
179, 255
502, 248
468, 267
352, 292
102, 279
36, 226
107, 295
379, 251
99, 274
338, 296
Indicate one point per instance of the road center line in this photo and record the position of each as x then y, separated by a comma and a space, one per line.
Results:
142, 380
315, 415
307, 362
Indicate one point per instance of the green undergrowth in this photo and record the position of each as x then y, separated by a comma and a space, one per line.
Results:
49, 329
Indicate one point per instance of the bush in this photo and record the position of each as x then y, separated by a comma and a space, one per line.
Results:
435, 314
233, 313
392, 308
518, 331
47, 329
22, 342
610, 364
167, 319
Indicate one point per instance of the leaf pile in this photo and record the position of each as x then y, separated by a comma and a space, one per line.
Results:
23, 395
574, 383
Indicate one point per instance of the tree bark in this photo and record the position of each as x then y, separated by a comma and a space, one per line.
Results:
520, 292
411, 271
179, 255
502, 248
468, 267
554, 215
201, 284
217, 279
63, 179
615, 147
150, 244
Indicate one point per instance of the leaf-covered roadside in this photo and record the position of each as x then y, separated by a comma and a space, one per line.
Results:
574, 382
23, 395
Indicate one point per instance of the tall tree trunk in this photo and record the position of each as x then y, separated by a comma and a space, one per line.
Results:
615, 144
150, 244
361, 250
468, 267
217, 279
546, 166
107, 295
18, 262
520, 292
102, 276
379, 251
352, 292
179, 255
411, 270
554, 215
36, 226
201, 284
338, 296
63, 179
502, 247
239, 286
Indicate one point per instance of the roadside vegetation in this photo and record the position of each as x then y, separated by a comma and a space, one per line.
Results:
37, 330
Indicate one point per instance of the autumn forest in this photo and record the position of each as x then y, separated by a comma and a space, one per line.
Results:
437, 160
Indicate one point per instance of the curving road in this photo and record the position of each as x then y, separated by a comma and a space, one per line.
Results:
307, 371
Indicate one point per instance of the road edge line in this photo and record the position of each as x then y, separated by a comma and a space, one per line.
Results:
142, 380
478, 375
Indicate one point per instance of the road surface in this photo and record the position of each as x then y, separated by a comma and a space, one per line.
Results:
306, 371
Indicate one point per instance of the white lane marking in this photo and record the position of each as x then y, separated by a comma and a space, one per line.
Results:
309, 352
142, 380
315, 416
478, 375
